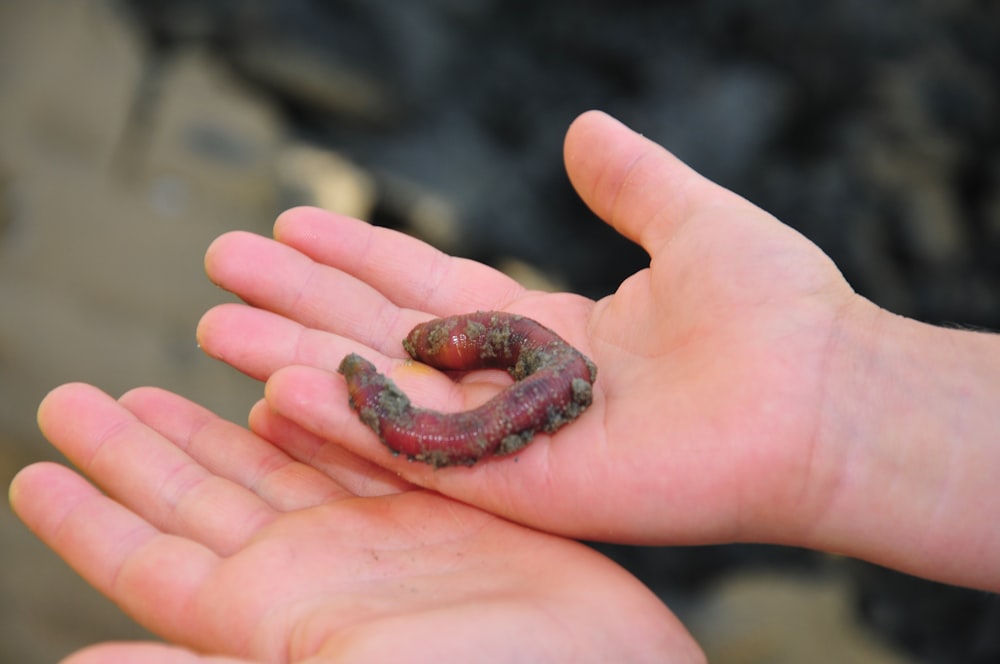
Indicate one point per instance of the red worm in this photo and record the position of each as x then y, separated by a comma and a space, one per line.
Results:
553, 386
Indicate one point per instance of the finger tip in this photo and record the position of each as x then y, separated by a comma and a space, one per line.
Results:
140, 396
591, 121
15, 490
232, 257
278, 381
217, 326
25, 476
259, 412
217, 249
59, 396
295, 389
594, 142
591, 116
207, 324
288, 220
31, 481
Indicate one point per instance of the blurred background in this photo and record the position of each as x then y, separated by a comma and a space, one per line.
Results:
134, 132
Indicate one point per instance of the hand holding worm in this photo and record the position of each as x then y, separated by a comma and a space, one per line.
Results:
745, 392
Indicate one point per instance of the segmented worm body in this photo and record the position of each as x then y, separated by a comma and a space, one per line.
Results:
553, 386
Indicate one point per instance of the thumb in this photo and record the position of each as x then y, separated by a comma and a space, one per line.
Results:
635, 185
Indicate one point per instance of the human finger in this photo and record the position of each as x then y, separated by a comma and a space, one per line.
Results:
324, 281
233, 452
637, 186
146, 472
118, 552
275, 277
408, 271
259, 342
358, 476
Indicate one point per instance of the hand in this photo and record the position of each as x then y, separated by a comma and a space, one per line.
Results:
709, 362
215, 540
744, 391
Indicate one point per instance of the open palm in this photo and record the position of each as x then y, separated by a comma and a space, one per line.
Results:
222, 544
710, 361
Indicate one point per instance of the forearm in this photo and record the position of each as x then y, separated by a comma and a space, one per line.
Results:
908, 453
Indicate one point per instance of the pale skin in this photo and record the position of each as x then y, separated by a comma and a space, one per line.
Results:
745, 393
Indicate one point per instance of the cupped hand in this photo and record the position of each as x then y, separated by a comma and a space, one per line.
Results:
711, 361
221, 543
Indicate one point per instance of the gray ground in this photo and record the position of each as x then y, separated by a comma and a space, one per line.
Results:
102, 234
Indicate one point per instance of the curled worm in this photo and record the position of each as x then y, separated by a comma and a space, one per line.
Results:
553, 386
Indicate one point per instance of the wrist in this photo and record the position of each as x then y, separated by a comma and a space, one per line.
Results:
907, 455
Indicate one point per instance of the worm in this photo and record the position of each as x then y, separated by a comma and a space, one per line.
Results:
553, 386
